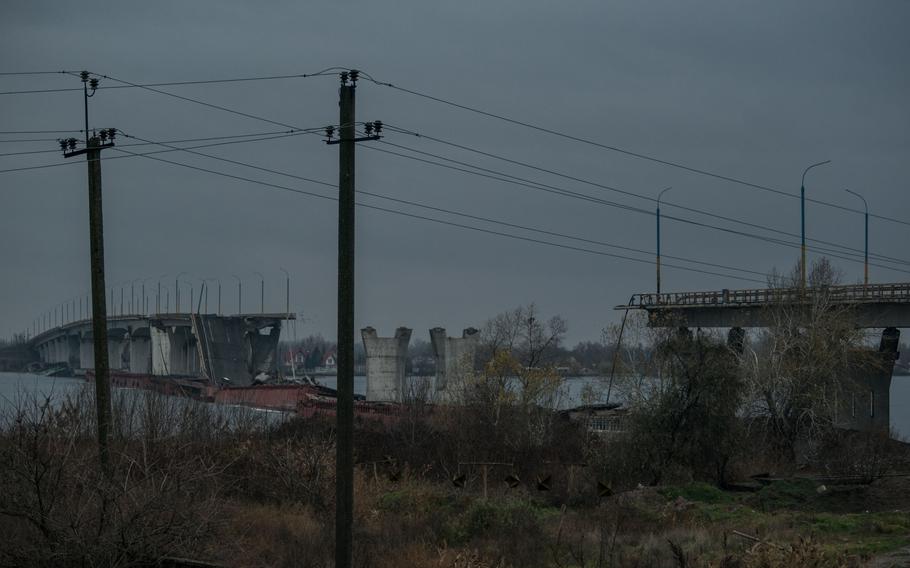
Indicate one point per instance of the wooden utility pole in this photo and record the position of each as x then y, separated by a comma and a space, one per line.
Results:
99, 309
344, 444
93, 146
344, 488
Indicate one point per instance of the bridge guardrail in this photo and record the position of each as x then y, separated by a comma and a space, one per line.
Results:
850, 294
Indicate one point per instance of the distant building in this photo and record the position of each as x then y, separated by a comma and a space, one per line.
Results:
607, 418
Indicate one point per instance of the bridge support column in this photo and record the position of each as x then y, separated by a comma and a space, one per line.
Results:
73, 351
865, 401
184, 359
161, 350
140, 346
736, 340
264, 348
454, 358
118, 349
173, 350
386, 364
86, 351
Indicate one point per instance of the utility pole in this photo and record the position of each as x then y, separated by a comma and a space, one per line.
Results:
92, 151
344, 459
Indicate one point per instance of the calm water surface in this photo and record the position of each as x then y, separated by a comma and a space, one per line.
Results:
16, 388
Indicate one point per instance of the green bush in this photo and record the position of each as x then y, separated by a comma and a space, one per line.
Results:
786, 494
701, 492
498, 516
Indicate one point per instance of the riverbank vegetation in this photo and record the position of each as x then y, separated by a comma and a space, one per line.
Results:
434, 489
728, 455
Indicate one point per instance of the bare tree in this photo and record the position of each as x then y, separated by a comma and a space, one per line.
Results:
683, 392
530, 340
799, 367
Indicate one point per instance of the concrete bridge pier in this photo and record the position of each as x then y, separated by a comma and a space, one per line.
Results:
865, 400
454, 357
59, 350
386, 364
140, 348
736, 340
73, 355
173, 350
118, 353
263, 338
86, 351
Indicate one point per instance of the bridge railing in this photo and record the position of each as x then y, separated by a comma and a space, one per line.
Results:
850, 294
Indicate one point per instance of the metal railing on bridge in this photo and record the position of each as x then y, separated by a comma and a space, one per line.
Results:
851, 294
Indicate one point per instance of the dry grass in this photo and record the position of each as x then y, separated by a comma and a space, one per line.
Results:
189, 482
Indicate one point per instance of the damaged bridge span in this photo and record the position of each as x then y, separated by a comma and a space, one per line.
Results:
865, 404
224, 350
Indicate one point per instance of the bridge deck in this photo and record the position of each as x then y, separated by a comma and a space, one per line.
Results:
177, 318
875, 305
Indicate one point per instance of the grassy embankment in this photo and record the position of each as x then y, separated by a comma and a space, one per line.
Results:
186, 481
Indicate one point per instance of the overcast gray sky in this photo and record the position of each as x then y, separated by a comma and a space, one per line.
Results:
751, 90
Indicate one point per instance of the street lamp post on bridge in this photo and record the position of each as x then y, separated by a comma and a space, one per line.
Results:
261, 292
145, 303
133, 304
177, 292
866, 231
239, 294
192, 298
802, 216
158, 296
663, 191
287, 315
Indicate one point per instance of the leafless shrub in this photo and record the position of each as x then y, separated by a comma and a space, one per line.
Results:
58, 507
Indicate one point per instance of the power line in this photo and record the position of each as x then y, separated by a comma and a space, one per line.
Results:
14, 73
328, 71
21, 140
622, 191
324, 72
581, 196
40, 131
431, 219
248, 115
44, 166
210, 105
568, 193
451, 212
308, 131
620, 150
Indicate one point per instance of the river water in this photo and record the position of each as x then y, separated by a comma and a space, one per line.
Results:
18, 388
